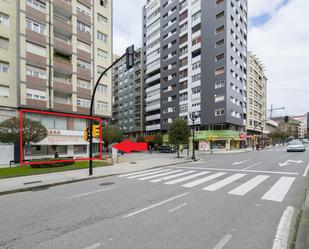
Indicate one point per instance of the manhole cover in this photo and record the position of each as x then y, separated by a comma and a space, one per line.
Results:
133, 162
106, 183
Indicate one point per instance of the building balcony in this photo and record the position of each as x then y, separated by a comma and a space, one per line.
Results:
154, 97
36, 83
66, 89
85, 37
83, 74
83, 110
153, 88
152, 108
83, 93
63, 107
38, 104
153, 127
153, 78
62, 26
36, 60
35, 37
196, 47
35, 14
153, 68
83, 55
63, 7
153, 117
83, 18
62, 47
63, 67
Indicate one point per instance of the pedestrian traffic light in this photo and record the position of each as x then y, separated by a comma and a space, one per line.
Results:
286, 119
130, 57
86, 134
96, 131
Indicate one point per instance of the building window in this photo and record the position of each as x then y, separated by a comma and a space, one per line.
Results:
219, 84
102, 88
35, 49
36, 27
83, 84
4, 67
36, 94
219, 71
183, 108
84, 46
220, 29
4, 19
196, 77
219, 98
83, 103
219, 112
80, 149
36, 72
82, 8
83, 27
83, 64
101, 70
196, 90
104, 3
220, 43
220, 57
219, 15
4, 43
4, 91
102, 37
102, 106
102, 19
36, 5
196, 65
102, 54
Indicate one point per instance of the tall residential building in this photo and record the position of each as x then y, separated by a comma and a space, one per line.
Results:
256, 96
127, 95
195, 61
51, 54
302, 129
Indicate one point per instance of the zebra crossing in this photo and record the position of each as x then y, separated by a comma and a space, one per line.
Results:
213, 181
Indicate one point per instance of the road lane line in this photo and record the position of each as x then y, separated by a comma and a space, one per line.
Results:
161, 174
151, 173
182, 179
203, 180
155, 205
139, 172
173, 176
224, 182
177, 208
249, 185
222, 243
306, 171
278, 191
253, 165
90, 193
282, 236
237, 170
96, 245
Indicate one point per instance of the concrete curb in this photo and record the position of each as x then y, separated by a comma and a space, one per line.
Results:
302, 240
44, 186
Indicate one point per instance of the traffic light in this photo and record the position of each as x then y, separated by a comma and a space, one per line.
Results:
86, 134
130, 57
96, 131
286, 119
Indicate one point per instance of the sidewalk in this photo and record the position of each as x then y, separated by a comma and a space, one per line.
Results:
302, 241
128, 163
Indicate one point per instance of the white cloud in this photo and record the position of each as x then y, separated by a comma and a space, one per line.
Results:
260, 7
283, 45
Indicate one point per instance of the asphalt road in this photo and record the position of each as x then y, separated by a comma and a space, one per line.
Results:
230, 201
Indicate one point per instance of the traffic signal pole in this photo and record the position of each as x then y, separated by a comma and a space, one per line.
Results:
130, 63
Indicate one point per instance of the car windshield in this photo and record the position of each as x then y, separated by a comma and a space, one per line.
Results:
295, 143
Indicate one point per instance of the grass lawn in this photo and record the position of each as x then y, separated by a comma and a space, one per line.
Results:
27, 170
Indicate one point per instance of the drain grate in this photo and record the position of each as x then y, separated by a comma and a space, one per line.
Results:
106, 183
132, 162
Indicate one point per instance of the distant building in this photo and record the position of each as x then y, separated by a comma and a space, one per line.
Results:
302, 129
270, 126
127, 92
291, 127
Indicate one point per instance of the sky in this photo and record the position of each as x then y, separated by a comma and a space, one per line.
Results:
278, 34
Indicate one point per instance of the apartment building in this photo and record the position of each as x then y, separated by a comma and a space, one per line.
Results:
195, 61
302, 129
51, 54
127, 96
256, 96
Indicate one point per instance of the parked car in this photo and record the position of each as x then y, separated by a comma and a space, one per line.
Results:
305, 141
295, 145
166, 149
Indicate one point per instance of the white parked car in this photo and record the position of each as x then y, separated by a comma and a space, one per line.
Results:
295, 145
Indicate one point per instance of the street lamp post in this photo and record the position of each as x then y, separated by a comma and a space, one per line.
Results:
193, 116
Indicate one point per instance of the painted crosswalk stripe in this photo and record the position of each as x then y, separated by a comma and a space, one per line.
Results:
139, 172
182, 179
224, 182
159, 175
150, 173
173, 176
249, 185
203, 180
278, 191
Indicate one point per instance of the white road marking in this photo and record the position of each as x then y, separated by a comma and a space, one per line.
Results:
278, 191
237, 170
202, 180
253, 165
222, 243
249, 185
138, 172
155, 205
173, 176
90, 193
93, 246
283, 229
288, 162
151, 173
241, 162
161, 174
186, 178
306, 171
178, 207
224, 182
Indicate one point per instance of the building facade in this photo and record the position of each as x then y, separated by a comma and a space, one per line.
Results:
195, 56
302, 129
127, 96
51, 54
290, 126
256, 96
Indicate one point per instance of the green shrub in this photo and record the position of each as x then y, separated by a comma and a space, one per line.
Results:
51, 165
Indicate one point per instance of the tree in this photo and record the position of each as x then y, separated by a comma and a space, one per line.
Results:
112, 134
33, 131
278, 136
179, 133
158, 139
